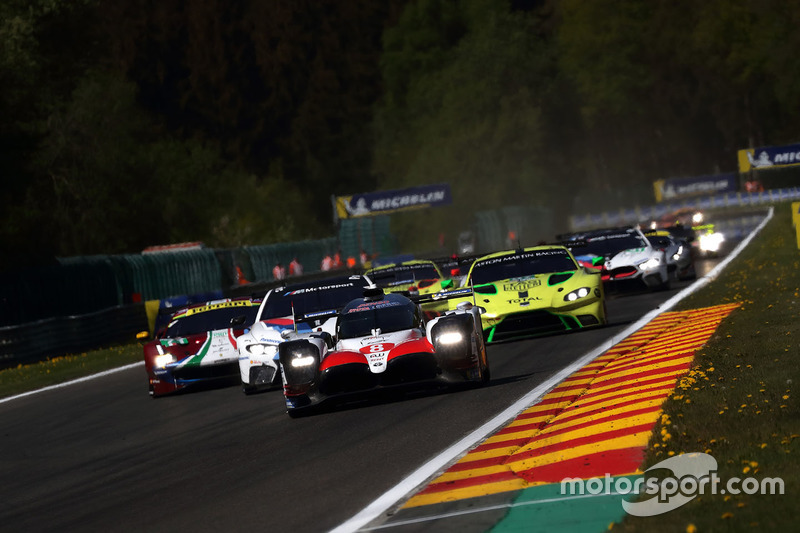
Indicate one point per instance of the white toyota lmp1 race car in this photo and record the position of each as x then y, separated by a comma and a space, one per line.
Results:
301, 308
383, 341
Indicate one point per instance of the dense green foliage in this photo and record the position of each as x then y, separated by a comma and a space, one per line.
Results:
139, 122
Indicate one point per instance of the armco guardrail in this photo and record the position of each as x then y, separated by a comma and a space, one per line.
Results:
55, 337
654, 212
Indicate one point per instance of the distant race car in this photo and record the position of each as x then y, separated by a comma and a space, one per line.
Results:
419, 275
623, 255
298, 308
198, 346
679, 253
709, 241
535, 291
383, 341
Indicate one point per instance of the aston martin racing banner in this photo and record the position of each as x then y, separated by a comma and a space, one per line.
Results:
383, 202
769, 157
675, 188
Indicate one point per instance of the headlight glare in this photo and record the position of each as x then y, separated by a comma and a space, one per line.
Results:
653, 262
451, 337
303, 361
161, 361
256, 349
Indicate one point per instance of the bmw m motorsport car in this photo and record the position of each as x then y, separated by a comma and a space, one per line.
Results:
535, 291
198, 345
624, 256
298, 308
383, 340
678, 253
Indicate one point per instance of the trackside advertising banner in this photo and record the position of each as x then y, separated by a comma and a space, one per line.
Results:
769, 157
384, 202
676, 188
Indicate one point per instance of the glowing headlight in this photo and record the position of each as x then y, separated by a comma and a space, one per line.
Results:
678, 253
163, 360
710, 242
260, 349
306, 360
583, 292
450, 338
697, 218
653, 262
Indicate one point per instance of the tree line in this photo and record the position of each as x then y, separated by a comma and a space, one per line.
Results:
138, 122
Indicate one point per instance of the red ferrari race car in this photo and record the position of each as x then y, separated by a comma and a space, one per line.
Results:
384, 341
198, 346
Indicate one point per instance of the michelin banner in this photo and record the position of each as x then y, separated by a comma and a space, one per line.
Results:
769, 157
384, 202
676, 188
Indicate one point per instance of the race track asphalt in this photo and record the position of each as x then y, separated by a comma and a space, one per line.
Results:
103, 456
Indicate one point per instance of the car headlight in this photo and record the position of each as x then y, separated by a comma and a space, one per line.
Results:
697, 218
303, 361
710, 242
163, 360
577, 294
653, 262
451, 337
261, 349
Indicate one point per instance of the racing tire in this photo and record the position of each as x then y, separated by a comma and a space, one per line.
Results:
248, 390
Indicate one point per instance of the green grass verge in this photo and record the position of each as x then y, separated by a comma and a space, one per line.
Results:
738, 403
24, 378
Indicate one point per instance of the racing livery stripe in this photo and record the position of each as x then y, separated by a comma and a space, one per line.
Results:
197, 358
342, 358
597, 421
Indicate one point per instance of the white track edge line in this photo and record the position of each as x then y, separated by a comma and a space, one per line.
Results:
437, 463
73, 382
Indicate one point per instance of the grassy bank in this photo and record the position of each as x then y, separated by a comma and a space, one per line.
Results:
24, 378
739, 401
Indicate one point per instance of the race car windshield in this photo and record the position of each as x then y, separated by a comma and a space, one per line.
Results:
199, 323
310, 301
356, 323
609, 245
521, 265
389, 277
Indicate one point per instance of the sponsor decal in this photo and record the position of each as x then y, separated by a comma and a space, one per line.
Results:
404, 268
674, 188
769, 157
218, 305
320, 313
367, 306
383, 202
521, 286
532, 254
321, 288
524, 301
377, 355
